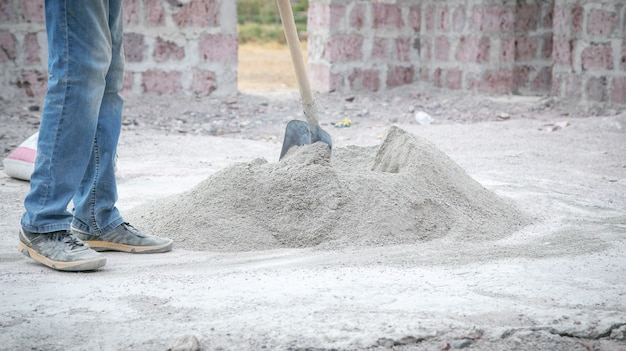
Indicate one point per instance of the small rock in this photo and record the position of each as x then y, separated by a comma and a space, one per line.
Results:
350, 98
185, 343
504, 116
459, 344
423, 118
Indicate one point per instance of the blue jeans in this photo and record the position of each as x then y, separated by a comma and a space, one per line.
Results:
81, 120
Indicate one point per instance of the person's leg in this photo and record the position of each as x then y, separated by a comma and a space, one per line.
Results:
79, 58
94, 202
97, 220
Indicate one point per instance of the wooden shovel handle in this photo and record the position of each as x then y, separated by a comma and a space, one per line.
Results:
289, 25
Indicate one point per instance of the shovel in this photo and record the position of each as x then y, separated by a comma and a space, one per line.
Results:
300, 132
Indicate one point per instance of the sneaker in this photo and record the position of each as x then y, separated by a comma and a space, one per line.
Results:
60, 250
125, 238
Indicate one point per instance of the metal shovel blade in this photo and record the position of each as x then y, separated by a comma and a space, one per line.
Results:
302, 133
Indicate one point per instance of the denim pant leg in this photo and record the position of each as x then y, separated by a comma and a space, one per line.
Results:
80, 54
94, 203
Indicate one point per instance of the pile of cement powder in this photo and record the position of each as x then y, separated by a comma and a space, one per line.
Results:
404, 191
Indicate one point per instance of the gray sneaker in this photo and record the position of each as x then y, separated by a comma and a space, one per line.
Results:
60, 250
125, 238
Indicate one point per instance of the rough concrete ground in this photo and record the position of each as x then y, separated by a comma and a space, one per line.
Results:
558, 284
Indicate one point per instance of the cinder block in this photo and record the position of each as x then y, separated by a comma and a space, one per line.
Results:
596, 89
155, 13
32, 49
527, 17
493, 18
403, 49
454, 79
597, 56
33, 83
415, 19
7, 46
442, 48
204, 82
218, 48
342, 48
200, 14
33, 11
387, 15
562, 51
525, 48
473, 49
165, 50
459, 18
161, 82
131, 10
398, 75
602, 23
618, 95
134, 47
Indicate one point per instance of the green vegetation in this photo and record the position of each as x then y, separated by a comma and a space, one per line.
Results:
259, 20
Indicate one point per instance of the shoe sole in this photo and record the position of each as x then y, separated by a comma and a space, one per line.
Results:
109, 246
73, 266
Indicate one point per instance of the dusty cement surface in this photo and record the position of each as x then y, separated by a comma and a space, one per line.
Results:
558, 283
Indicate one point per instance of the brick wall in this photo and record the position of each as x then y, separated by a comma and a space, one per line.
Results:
590, 50
171, 47
569, 48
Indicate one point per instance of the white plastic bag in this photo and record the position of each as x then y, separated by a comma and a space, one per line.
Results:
21, 162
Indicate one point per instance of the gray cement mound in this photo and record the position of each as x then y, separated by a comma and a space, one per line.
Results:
401, 192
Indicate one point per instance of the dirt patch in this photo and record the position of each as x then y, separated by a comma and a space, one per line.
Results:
405, 191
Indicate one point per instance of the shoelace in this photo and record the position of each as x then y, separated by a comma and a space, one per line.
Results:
67, 238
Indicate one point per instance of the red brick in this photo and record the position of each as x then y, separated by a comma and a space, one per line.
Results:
371, 80
204, 82
494, 19
562, 51
415, 19
131, 11
548, 16
218, 48
200, 14
454, 79
547, 45
526, 17
166, 50
7, 46
597, 56
521, 76
442, 48
366, 79
525, 48
473, 49
397, 76
6, 11
155, 12
443, 19
387, 15
324, 15
379, 48
127, 88
134, 47
31, 48
33, 11
437, 77
601, 23
403, 49
357, 16
560, 20
577, 19
507, 50
458, 19
160, 82
618, 95
344, 48
596, 89
33, 83
497, 81
430, 18
543, 80
573, 86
